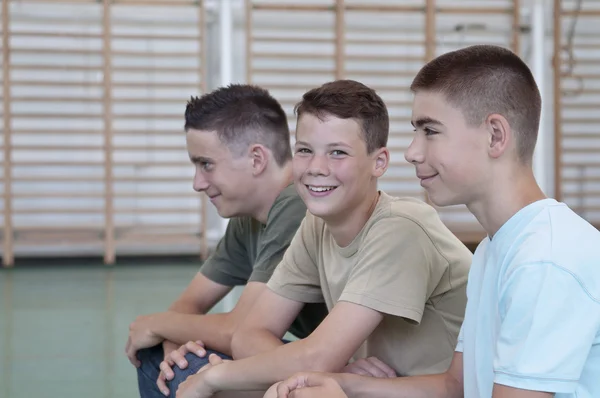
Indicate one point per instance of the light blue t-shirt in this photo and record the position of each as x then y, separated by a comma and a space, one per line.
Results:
533, 314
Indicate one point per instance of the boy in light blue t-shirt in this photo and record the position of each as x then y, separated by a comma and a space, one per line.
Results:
532, 322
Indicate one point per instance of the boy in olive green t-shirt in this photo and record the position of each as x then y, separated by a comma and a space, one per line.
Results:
392, 275
238, 139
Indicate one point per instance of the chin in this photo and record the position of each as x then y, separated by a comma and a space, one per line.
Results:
319, 210
443, 201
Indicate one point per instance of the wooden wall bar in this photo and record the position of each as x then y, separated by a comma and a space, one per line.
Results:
93, 144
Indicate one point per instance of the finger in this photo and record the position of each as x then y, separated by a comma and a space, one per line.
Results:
356, 368
214, 359
131, 354
177, 357
166, 369
162, 385
128, 344
286, 387
371, 369
198, 349
389, 372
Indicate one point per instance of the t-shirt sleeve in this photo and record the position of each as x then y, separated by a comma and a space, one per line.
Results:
459, 344
548, 325
297, 276
283, 222
229, 264
393, 270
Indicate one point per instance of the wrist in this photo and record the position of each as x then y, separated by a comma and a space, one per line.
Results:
158, 321
214, 378
348, 382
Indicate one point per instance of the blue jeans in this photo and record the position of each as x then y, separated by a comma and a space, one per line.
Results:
149, 370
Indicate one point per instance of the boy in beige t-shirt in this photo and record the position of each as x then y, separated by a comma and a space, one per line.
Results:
392, 275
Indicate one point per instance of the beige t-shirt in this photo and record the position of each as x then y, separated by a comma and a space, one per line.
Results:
404, 263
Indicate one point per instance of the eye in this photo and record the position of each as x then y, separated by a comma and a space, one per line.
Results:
303, 150
338, 152
429, 131
206, 166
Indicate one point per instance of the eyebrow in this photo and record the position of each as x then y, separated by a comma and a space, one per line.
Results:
331, 145
420, 122
200, 159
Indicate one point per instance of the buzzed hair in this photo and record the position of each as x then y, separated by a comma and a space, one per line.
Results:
484, 79
242, 115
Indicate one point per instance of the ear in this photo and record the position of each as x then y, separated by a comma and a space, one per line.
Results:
500, 135
259, 158
382, 160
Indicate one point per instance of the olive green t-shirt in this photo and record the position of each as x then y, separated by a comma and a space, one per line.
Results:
249, 252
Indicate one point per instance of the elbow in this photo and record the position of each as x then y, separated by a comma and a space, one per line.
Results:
241, 343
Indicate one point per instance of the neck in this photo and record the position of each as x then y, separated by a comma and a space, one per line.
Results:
346, 227
504, 198
274, 181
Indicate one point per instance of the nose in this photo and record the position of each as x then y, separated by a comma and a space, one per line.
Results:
414, 152
318, 165
200, 182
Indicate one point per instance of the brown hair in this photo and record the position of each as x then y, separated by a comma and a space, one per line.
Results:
349, 99
242, 115
484, 79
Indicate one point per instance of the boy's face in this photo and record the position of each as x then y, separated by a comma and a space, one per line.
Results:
226, 179
450, 156
333, 172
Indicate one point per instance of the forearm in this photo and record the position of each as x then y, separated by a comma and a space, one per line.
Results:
215, 330
433, 386
261, 371
247, 343
185, 307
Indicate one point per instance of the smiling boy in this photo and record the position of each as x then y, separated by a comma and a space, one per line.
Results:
392, 275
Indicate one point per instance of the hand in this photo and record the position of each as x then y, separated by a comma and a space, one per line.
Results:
141, 335
197, 386
308, 385
177, 357
371, 366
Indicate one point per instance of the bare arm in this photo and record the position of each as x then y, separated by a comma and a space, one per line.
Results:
328, 348
445, 385
200, 296
501, 391
215, 330
265, 325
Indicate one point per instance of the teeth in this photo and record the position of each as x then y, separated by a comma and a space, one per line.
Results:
320, 189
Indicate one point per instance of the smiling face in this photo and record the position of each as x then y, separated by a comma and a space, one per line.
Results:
333, 172
450, 157
226, 179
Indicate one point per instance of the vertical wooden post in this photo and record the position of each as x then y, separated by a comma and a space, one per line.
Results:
248, 4
340, 40
557, 62
109, 233
203, 87
516, 27
430, 30
8, 254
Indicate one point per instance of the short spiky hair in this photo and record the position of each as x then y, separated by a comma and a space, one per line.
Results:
242, 115
483, 79
349, 99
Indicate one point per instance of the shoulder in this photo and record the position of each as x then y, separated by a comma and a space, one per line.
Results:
559, 238
288, 207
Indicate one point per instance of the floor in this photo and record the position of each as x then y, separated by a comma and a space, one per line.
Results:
63, 328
